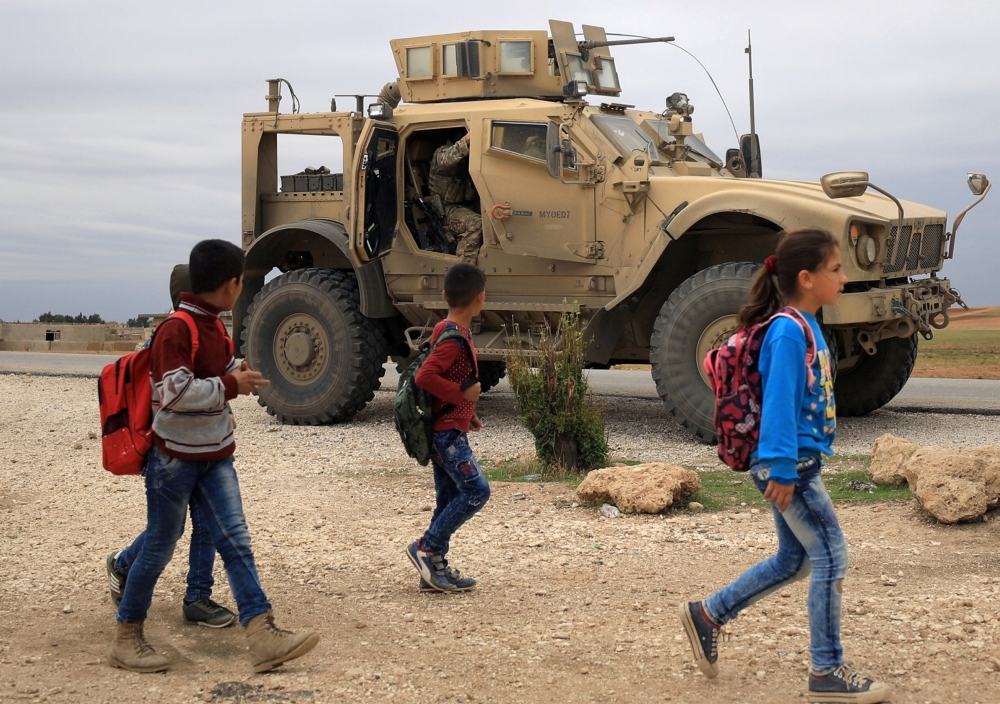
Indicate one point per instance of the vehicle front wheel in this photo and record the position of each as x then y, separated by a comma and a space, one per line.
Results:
875, 379
305, 333
698, 316
490, 374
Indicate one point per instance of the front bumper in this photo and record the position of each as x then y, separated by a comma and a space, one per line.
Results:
895, 311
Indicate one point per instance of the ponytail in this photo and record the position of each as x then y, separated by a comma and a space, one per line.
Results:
777, 281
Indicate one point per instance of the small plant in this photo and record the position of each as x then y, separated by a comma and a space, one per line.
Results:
553, 399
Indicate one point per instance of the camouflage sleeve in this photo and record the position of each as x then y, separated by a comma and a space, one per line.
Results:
448, 157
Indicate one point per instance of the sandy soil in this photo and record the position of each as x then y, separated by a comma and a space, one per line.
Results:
570, 607
975, 318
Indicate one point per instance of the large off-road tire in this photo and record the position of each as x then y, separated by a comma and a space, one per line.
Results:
305, 333
875, 379
699, 315
490, 374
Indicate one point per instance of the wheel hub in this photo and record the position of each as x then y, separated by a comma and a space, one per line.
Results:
714, 335
301, 349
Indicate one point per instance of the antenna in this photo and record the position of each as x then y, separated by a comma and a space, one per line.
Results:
754, 150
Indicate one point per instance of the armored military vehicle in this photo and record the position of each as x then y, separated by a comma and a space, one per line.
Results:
625, 216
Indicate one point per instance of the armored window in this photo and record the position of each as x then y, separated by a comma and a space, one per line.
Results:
515, 57
627, 136
449, 63
418, 62
522, 138
607, 76
578, 70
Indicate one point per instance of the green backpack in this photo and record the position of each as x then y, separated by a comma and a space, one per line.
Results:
412, 407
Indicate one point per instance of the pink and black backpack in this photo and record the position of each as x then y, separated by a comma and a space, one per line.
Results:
739, 391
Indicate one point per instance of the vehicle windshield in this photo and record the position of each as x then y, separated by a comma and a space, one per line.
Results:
662, 128
627, 136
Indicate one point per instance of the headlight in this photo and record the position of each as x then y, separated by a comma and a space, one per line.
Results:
867, 250
379, 111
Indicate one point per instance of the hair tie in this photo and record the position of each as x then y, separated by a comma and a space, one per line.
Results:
771, 264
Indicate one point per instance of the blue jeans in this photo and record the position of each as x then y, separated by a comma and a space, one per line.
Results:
201, 559
809, 540
212, 489
460, 486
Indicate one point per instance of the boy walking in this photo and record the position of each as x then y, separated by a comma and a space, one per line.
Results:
450, 375
191, 463
198, 606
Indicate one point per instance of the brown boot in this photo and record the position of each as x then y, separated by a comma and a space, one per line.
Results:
130, 651
270, 646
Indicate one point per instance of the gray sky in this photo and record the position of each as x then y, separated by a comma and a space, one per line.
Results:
120, 121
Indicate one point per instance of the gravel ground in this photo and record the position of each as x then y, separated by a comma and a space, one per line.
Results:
571, 606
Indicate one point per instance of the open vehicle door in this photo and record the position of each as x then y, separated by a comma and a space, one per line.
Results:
376, 199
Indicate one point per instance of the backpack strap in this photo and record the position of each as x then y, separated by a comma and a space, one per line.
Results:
192, 327
794, 314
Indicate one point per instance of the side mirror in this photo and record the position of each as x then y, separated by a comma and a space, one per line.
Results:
845, 184
978, 183
553, 148
559, 151
467, 58
750, 152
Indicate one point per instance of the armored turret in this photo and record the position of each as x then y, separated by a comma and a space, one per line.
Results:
505, 64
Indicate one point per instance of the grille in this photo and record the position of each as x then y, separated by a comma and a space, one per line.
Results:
895, 253
930, 246
905, 254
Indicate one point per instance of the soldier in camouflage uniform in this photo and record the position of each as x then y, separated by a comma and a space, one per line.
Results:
453, 193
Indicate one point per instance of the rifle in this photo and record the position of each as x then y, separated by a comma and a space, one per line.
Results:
435, 226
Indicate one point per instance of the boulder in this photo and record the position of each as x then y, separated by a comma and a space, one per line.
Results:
889, 455
955, 486
643, 488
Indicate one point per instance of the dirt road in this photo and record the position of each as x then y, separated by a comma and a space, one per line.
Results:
571, 606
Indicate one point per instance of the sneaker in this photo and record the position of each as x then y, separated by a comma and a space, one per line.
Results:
116, 579
462, 584
703, 637
431, 567
845, 684
206, 612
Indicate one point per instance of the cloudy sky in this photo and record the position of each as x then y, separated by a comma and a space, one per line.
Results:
120, 121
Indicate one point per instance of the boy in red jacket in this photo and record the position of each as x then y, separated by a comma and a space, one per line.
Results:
450, 375
192, 463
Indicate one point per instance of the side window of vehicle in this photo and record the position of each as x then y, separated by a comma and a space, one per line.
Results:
522, 138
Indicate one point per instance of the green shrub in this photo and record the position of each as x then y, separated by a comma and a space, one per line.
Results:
553, 399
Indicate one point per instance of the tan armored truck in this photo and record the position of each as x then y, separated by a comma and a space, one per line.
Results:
587, 204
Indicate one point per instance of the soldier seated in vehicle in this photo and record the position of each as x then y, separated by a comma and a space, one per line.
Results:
453, 192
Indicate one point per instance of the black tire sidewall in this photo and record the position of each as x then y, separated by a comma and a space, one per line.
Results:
331, 391
707, 296
877, 378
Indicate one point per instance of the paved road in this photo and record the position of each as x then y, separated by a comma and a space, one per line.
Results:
919, 395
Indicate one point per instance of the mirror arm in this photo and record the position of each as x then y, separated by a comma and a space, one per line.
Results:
958, 221
893, 199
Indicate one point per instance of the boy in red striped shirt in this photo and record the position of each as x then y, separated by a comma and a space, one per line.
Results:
450, 375
192, 463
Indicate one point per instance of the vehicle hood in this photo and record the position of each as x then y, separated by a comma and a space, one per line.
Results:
769, 198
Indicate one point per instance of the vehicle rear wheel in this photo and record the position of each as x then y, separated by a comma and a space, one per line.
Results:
305, 333
876, 379
490, 374
698, 316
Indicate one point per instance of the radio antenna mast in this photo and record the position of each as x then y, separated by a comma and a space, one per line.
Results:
754, 150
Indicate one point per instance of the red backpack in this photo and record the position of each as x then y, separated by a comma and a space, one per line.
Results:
739, 391
125, 394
